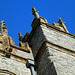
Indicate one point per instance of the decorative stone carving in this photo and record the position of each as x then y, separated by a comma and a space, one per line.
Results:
23, 41
11, 42
8, 51
20, 36
35, 13
58, 26
37, 19
62, 23
6, 46
43, 20
26, 37
3, 28
5, 42
24, 45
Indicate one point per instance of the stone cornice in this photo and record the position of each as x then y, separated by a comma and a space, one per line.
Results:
19, 48
48, 26
57, 29
14, 57
54, 46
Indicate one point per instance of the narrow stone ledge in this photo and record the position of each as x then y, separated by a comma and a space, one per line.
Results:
55, 28
49, 26
14, 57
23, 49
52, 45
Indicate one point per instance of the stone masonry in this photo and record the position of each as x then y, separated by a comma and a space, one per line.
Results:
13, 59
47, 50
53, 48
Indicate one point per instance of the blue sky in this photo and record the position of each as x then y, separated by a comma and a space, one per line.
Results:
18, 14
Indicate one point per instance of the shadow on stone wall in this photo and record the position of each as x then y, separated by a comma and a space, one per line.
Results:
45, 65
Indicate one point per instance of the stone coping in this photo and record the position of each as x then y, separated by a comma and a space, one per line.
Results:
20, 48
49, 26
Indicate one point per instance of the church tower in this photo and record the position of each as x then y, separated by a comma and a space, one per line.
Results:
48, 50
53, 47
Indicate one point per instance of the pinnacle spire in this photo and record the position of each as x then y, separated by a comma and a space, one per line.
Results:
35, 13
63, 24
3, 27
60, 21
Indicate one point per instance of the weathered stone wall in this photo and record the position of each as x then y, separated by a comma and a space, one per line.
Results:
43, 33
59, 38
25, 54
37, 40
45, 65
54, 60
14, 66
16, 63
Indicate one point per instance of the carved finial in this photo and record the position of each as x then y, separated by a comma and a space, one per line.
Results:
35, 13
3, 22
20, 36
60, 21
54, 23
3, 27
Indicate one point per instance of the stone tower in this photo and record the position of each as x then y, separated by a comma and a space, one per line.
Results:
53, 47
13, 59
47, 50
